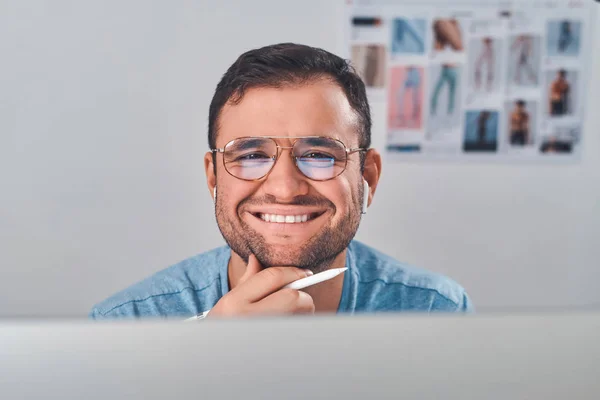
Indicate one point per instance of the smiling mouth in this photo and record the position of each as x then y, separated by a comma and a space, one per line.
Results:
288, 219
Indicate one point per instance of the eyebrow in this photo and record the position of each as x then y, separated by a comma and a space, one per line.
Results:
247, 143
316, 140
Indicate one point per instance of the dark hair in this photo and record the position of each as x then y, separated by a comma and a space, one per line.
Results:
289, 63
562, 72
521, 103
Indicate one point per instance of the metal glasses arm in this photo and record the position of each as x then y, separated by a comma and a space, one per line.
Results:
357, 149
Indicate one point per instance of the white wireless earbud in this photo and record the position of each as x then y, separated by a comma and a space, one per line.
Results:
365, 197
215, 194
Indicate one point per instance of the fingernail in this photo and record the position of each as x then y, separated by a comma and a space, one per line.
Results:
308, 272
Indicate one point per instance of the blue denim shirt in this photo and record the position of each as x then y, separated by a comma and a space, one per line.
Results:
373, 282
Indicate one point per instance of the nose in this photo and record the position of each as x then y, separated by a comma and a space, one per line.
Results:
285, 182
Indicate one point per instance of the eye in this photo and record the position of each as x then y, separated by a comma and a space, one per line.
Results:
317, 156
252, 156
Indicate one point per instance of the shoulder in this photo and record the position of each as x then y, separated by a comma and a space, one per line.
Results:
169, 290
391, 285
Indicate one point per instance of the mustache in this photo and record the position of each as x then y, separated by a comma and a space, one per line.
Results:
296, 201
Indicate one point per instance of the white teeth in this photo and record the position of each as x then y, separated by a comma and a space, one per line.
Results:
287, 219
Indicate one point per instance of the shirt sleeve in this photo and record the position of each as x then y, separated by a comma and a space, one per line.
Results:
93, 314
466, 305
441, 303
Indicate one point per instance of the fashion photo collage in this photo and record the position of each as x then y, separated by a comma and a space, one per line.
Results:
493, 82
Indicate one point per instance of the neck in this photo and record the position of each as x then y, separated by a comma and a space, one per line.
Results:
326, 295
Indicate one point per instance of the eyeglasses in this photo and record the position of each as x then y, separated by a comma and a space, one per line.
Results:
318, 158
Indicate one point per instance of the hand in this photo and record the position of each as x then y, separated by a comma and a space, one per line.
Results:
260, 292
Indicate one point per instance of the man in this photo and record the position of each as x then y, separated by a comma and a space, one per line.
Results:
482, 125
559, 94
289, 132
566, 37
519, 125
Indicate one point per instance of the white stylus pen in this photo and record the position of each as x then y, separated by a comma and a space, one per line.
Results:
314, 279
297, 285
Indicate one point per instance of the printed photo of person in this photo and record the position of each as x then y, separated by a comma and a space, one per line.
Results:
524, 61
369, 61
366, 21
405, 108
408, 36
368, 29
562, 140
444, 97
447, 35
563, 38
485, 63
522, 122
481, 131
553, 145
561, 92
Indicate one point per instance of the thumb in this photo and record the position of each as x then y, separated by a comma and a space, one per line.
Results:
253, 268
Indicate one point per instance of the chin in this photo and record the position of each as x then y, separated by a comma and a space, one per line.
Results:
280, 255
285, 243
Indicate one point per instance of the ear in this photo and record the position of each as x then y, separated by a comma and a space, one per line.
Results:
209, 169
365, 202
372, 172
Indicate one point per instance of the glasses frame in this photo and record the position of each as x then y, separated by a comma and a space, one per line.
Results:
294, 158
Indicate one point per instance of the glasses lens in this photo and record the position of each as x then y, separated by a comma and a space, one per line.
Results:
320, 158
250, 158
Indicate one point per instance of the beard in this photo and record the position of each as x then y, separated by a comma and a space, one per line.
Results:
316, 254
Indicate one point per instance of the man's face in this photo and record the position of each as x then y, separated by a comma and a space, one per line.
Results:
333, 206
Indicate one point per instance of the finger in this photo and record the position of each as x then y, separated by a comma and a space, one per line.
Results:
269, 280
253, 268
285, 301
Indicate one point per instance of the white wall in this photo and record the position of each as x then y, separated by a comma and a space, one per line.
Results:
103, 114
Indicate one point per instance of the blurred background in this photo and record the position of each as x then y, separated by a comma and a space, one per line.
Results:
103, 128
